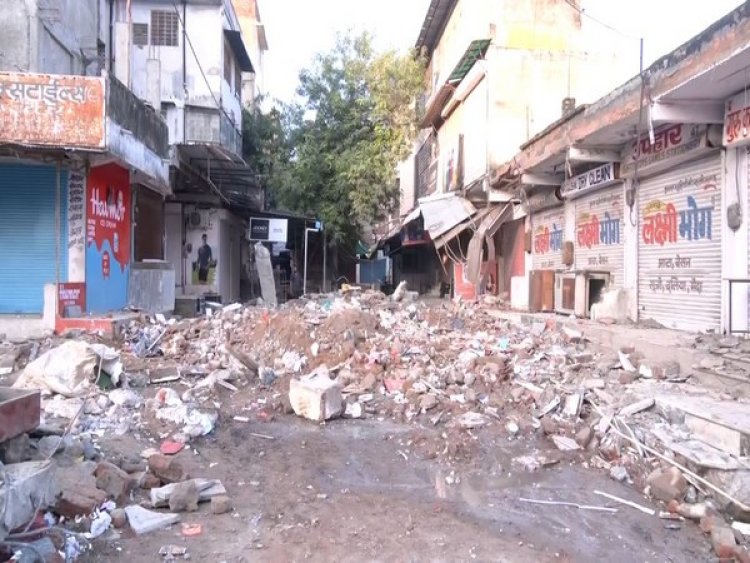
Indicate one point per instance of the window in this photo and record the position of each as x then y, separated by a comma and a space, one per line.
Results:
140, 34
237, 79
165, 28
227, 65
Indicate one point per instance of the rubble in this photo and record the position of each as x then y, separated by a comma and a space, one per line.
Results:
359, 355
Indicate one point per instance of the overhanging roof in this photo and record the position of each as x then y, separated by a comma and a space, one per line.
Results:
234, 38
206, 168
438, 14
473, 53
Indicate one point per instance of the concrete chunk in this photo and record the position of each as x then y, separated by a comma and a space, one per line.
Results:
316, 397
143, 521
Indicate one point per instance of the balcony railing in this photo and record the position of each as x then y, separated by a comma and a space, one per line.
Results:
130, 113
210, 126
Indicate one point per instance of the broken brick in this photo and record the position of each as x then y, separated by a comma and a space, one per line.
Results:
168, 469
668, 484
184, 497
723, 542
81, 501
113, 480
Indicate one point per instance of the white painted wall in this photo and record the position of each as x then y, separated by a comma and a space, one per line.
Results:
204, 62
735, 243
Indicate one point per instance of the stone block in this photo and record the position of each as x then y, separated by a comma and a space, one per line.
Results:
184, 497
221, 504
316, 397
166, 468
114, 481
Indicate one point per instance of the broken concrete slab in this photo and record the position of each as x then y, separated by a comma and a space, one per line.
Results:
316, 397
142, 521
637, 407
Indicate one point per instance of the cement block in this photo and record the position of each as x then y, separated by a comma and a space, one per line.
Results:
142, 521
316, 397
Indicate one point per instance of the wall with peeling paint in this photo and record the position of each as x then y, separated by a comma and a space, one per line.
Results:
50, 36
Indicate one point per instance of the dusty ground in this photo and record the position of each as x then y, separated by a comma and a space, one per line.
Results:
344, 492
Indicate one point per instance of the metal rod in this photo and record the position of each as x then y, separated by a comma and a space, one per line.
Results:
325, 248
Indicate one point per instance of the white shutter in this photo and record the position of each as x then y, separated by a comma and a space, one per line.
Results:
548, 234
679, 263
600, 225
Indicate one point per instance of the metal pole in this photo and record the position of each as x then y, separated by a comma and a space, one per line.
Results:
304, 267
325, 247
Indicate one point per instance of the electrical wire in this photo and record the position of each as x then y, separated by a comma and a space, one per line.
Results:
584, 13
200, 67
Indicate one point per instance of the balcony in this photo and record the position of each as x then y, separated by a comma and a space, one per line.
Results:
210, 126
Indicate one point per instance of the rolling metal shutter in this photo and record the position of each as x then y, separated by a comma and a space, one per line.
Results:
600, 223
28, 247
679, 246
548, 233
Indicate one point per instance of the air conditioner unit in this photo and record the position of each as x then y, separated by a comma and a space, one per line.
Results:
197, 220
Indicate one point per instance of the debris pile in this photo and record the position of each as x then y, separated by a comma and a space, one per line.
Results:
462, 367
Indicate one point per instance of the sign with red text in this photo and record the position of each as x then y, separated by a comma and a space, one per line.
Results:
737, 121
672, 144
108, 216
71, 296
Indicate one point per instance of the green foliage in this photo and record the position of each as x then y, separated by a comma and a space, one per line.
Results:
338, 151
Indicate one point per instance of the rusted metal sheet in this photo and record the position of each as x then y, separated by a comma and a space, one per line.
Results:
19, 412
52, 110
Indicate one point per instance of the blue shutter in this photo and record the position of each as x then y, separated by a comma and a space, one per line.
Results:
28, 249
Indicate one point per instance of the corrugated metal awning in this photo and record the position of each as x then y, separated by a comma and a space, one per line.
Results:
444, 212
472, 223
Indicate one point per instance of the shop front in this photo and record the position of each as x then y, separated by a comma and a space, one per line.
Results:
596, 197
547, 232
34, 234
679, 228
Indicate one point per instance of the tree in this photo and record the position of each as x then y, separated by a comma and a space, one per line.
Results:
357, 122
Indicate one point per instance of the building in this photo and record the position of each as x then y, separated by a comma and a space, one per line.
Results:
638, 202
75, 146
254, 34
497, 73
188, 59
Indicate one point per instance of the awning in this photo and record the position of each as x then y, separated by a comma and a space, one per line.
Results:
471, 223
441, 213
234, 38
486, 232
411, 216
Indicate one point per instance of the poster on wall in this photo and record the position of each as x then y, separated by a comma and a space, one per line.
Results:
71, 299
108, 224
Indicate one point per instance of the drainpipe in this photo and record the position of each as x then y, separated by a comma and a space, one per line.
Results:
184, 71
111, 36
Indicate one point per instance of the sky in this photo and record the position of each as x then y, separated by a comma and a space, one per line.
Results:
297, 29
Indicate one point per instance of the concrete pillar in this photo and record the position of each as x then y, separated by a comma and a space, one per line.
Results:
630, 248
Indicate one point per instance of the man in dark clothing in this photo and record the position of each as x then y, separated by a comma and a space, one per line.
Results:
205, 257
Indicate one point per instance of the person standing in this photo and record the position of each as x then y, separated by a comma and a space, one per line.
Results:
205, 258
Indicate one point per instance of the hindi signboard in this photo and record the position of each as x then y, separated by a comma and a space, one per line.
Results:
52, 110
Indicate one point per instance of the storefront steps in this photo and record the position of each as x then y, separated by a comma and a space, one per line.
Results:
716, 362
